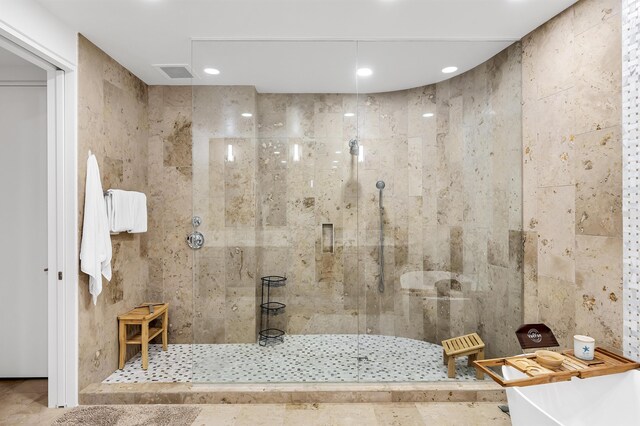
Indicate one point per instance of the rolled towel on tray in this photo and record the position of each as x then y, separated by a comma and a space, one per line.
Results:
127, 211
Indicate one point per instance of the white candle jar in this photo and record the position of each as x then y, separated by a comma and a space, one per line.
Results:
583, 347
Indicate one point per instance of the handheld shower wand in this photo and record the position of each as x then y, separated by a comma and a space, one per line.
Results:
354, 147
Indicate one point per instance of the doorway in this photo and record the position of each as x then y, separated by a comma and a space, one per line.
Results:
24, 248
32, 289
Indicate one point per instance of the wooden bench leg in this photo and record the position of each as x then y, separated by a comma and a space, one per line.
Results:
451, 370
445, 358
479, 373
470, 360
165, 329
122, 341
145, 345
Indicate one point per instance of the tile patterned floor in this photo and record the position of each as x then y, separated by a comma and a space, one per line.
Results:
323, 358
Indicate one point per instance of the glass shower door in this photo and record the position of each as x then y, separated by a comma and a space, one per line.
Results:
440, 224
277, 193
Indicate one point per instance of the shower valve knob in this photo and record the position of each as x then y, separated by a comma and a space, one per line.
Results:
195, 240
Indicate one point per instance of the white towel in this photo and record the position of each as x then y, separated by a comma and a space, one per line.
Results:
95, 249
127, 211
119, 211
139, 201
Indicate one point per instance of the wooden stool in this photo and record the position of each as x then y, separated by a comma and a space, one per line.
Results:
142, 316
469, 345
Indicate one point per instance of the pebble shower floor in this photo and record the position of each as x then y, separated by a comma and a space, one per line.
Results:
322, 358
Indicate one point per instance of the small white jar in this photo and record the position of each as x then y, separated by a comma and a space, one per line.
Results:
583, 347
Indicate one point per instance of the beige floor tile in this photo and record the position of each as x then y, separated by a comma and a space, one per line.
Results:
463, 414
7, 384
25, 403
14, 402
31, 386
329, 414
40, 416
241, 414
222, 415
398, 414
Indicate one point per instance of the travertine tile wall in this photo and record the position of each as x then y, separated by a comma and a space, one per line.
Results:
455, 199
479, 184
296, 196
113, 124
451, 209
224, 281
170, 163
572, 173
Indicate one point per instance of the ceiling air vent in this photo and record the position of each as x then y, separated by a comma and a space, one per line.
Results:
175, 71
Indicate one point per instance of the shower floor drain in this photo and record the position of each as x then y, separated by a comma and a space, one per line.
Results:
362, 358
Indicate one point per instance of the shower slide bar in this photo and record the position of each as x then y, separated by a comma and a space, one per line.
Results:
380, 185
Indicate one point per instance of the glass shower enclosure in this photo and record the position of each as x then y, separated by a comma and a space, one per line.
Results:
366, 217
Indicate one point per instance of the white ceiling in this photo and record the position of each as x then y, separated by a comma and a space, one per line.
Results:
141, 33
330, 67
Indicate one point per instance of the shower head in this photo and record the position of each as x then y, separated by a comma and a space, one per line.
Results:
380, 184
353, 147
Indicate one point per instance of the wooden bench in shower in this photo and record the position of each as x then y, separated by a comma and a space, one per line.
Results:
470, 345
142, 316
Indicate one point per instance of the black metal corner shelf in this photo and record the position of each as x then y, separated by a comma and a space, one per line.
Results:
268, 308
271, 335
274, 281
273, 308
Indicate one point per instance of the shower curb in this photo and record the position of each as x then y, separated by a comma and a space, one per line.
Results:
186, 393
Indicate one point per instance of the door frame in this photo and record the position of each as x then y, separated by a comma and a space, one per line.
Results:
62, 279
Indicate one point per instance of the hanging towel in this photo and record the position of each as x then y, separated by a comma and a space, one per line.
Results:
127, 211
139, 202
119, 211
95, 249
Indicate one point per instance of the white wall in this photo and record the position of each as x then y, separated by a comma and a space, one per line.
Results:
23, 248
31, 26
14, 68
20, 73
30, 22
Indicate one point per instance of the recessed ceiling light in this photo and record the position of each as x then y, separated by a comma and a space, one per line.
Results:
212, 71
449, 70
427, 114
338, 152
349, 114
276, 152
335, 161
247, 114
364, 72
284, 161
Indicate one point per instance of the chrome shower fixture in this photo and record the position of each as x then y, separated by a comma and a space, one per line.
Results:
380, 185
354, 148
195, 240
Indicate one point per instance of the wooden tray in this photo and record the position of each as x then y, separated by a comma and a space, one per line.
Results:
609, 363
